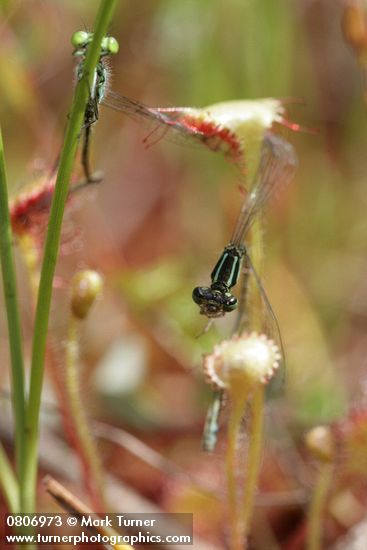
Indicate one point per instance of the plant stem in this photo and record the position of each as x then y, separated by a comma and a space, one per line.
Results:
315, 516
14, 329
67, 157
254, 458
9, 483
87, 449
234, 425
257, 256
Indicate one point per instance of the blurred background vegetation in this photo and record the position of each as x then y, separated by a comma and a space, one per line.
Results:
156, 224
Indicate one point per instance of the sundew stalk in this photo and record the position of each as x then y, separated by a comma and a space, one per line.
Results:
86, 286
321, 443
317, 507
234, 426
93, 476
75, 122
253, 298
14, 329
242, 366
253, 460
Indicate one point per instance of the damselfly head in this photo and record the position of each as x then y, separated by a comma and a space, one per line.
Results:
213, 302
81, 39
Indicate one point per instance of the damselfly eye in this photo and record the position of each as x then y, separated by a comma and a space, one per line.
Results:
201, 294
230, 304
109, 45
81, 39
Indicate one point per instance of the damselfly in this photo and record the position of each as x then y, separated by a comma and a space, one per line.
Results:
277, 164
109, 46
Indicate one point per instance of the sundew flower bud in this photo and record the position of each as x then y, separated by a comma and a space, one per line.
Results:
86, 286
321, 444
248, 359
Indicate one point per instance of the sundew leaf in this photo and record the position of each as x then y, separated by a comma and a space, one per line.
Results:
235, 128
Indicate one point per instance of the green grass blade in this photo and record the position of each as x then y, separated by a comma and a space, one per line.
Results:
13, 318
67, 157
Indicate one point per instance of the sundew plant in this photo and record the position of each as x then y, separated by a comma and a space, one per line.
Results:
182, 242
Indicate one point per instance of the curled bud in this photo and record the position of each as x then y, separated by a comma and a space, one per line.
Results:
249, 359
320, 442
86, 286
